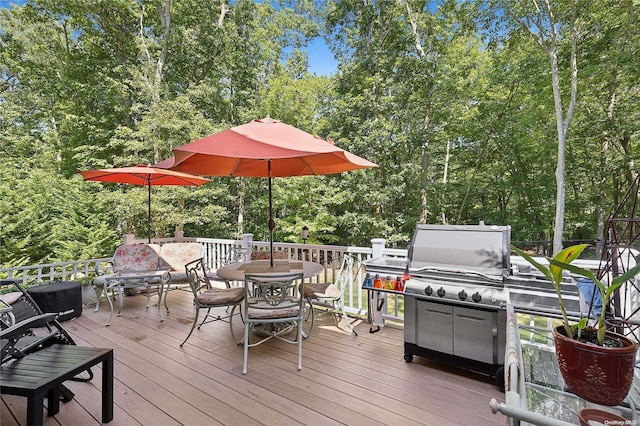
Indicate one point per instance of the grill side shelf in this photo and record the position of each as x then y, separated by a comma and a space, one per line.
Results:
384, 290
376, 306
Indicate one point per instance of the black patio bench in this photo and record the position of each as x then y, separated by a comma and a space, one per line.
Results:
41, 373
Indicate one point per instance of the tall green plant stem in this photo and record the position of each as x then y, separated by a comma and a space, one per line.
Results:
605, 291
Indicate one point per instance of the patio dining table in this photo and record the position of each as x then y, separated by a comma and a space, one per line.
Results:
237, 271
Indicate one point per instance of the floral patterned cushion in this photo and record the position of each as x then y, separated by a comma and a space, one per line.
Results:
264, 255
136, 257
175, 255
11, 298
321, 291
151, 257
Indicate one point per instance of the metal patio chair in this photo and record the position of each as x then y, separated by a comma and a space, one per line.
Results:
273, 308
26, 329
39, 335
207, 297
233, 255
330, 296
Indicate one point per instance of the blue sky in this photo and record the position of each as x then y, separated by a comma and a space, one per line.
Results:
321, 60
7, 3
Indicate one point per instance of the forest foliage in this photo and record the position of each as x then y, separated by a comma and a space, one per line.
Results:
452, 99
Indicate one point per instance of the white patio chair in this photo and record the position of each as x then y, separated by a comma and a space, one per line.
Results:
330, 296
233, 255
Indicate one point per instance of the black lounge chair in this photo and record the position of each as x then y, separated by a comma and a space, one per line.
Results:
32, 330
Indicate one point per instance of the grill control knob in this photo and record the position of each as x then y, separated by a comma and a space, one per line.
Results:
462, 295
428, 291
476, 297
441, 292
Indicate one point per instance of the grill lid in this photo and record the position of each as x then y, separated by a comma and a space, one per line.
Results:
472, 249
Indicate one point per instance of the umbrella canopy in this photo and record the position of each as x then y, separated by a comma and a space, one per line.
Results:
144, 175
245, 150
263, 148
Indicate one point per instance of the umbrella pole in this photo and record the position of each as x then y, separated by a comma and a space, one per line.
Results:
149, 207
272, 224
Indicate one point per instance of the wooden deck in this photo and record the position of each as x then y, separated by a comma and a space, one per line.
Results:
345, 379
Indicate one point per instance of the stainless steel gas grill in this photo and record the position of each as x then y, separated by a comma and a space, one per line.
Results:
461, 279
455, 298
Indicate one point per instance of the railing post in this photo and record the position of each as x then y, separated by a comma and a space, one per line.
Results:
178, 234
128, 238
377, 299
378, 246
247, 240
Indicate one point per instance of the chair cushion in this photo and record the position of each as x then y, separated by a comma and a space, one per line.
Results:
175, 255
224, 296
136, 257
265, 255
321, 291
292, 311
178, 277
100, 280
11, 298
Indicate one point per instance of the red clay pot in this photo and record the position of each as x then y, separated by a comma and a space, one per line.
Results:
599, 374
601, 416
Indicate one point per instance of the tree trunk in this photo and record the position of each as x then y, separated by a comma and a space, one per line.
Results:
546, 38
155, 84
424, 156
560, 165
443, 214
604, 166
224, 9
166, 23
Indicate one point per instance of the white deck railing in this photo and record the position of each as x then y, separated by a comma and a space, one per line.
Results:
356, 299
62, 271
215, 252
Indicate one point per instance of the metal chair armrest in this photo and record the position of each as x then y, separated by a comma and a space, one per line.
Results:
22, 327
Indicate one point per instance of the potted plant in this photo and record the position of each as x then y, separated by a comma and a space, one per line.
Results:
596, 364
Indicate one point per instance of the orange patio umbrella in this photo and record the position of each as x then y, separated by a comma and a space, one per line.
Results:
144, 175
263, 148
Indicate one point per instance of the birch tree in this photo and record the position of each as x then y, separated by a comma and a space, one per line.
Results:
540, 20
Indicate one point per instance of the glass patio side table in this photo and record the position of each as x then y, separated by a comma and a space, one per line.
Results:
535, 391
134, 279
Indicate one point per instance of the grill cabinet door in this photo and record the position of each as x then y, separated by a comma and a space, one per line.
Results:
435, 326
474, 331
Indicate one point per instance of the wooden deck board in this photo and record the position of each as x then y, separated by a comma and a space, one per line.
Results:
345, 379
